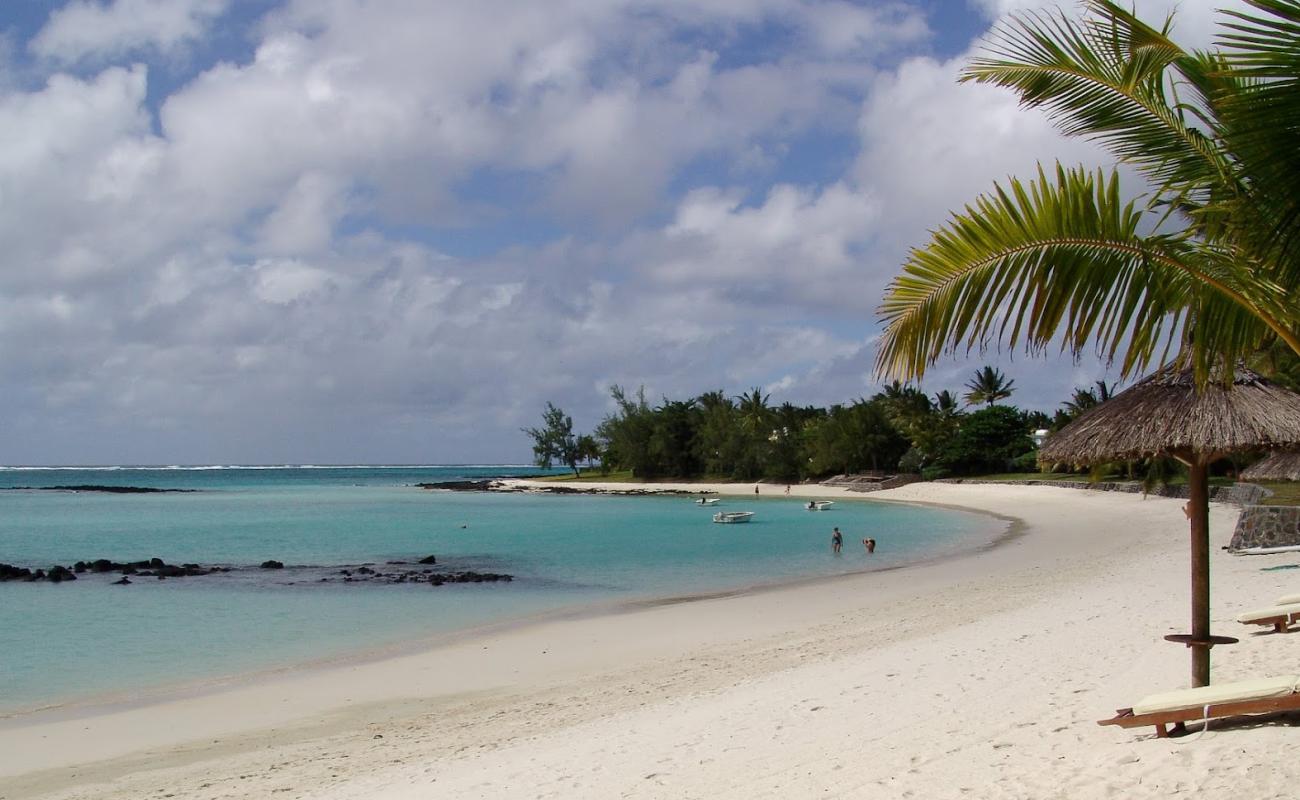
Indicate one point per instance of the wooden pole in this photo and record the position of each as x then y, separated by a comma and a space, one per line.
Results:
1198, 512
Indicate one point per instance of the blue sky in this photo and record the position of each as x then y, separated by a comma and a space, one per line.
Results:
248, 231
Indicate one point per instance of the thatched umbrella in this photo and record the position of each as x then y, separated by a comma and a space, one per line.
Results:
1164, 415
1283, 465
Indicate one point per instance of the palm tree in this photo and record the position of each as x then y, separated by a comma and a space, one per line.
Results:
1081, 401
988, 386
755, 418
1198, 273
945, 402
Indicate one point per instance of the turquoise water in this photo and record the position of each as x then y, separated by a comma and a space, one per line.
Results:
75, 640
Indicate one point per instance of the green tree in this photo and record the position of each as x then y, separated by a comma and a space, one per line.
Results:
718, 443
626, 434
988, 386
945, 402
855, 438
1204, 270
990, 440
788, 454
588, 449
672, 441
756, 428
555, 441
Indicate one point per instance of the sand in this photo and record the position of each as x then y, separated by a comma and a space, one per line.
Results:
974, 677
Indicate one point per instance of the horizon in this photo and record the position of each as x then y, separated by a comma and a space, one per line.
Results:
389, 233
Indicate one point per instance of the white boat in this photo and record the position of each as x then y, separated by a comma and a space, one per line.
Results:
707, 501
731, 517
819, 505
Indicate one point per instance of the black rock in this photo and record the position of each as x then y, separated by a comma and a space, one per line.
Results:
58, 574
272, 564
428, 560
122, 581
8, 572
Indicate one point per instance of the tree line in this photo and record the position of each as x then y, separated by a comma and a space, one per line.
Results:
745, 437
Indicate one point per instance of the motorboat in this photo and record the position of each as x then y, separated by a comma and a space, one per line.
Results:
707, 501
819, 505
732, 517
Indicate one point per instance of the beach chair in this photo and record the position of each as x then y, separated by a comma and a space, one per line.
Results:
1279, 616
1287, 600
1262, 696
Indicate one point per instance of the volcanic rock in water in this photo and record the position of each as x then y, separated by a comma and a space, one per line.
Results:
272, 564
58, 574
8, 572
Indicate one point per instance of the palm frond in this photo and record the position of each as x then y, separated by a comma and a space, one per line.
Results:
1262, 125
1107, 79
1064, 259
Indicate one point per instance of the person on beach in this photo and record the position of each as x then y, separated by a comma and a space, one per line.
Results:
837, 541
756, 488
870, 544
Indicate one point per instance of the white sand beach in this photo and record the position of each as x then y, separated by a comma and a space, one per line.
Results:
973, 677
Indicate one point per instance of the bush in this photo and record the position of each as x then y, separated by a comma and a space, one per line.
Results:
1025, 463
911, 462
935, 473
990, 440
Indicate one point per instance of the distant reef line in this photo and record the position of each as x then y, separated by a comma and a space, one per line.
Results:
95, 487
498, 485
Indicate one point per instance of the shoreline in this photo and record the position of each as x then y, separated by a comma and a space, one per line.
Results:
97, 704
801, 678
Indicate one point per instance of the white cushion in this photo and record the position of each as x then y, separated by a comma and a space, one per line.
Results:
1268, 613
1258, 689
1288, 599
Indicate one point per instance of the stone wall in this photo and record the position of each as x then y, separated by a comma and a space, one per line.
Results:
870, 481
1267, 526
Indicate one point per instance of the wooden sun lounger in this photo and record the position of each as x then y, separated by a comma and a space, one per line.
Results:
1248, 697
1279, 617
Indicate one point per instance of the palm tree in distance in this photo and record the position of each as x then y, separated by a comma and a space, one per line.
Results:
988, 386
945, 402
1198, 273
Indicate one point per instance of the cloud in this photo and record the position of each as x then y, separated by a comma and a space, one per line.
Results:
1195, 23
391, 230
91, 30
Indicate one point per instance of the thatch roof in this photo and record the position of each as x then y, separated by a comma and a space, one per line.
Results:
1165, 415
1283, 465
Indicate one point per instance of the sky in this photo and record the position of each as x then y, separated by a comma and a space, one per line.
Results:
389, 231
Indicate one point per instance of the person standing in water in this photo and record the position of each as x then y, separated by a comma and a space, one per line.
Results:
870, 544
837, 541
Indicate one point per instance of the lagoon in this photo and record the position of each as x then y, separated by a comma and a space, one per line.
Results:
569, 554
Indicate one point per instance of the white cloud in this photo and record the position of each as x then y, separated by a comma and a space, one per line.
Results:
88, 29
255, 267
1195, 21
282, 282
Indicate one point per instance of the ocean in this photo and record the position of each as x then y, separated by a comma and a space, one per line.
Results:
91, 640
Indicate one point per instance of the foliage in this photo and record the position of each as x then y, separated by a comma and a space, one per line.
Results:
1203, 272
856, 438
625, 435
744, 438
554, 441
990, 440
988, 386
